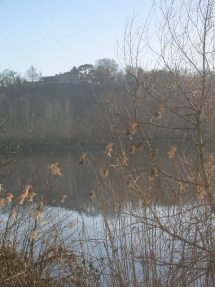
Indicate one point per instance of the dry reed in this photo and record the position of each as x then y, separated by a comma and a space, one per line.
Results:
109, 149
132, 149
131, 129
92, 194
106, 173
55, 169
63, 197
9, 197
37, 214
13, 214
171, 152
33, 234
2, 201
31, 196
158, 113
82, 159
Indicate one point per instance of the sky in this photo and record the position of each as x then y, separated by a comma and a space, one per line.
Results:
55, 35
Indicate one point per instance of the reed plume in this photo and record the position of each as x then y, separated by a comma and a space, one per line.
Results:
55, 169
26, 189
92, 194
131, 129
129, 182
13, 213
2, 201
158, 113
82, 159
33, 234
209, 162
139, 146
109, 149
200, 190
106, 173
44, 221
9, 197
132, 149
10, 243
63, 197
181, 187
171, 152
41, 205
24, 194
154, 171
21, 199
31, 196
37, 214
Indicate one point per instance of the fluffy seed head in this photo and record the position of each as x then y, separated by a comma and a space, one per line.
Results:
9, 197
200, 190
2, 201
108, 150
171, 152
132, 149
131, 128
55, 169
129, 182
158, 113
33, 234
31, 196
92, 194
139, 146
63, 197
37, 214
13, 213
21, 199
43, 221
82, 159
106, 172
154, 171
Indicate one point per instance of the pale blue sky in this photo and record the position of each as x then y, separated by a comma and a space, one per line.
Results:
55, 35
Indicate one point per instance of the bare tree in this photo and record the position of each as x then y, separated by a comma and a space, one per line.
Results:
33, 75
164, 133
9, 77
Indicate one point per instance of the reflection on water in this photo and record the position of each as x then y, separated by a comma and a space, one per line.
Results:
78, 180
130, 232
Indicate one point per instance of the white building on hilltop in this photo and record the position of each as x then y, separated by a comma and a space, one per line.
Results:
72, 77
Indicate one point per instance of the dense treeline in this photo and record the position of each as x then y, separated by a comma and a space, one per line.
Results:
49, 113
62, 113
